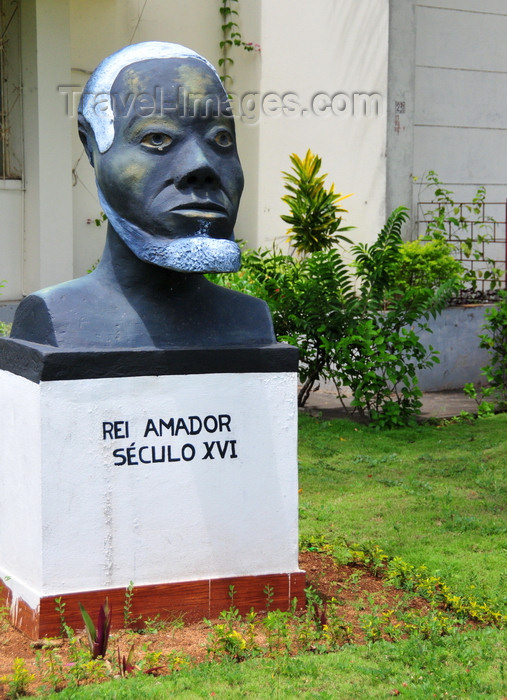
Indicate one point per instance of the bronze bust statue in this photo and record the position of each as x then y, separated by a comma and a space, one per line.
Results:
157, 127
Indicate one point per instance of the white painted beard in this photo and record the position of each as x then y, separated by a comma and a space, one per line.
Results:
197, 253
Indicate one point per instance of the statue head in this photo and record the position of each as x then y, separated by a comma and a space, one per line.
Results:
158, 130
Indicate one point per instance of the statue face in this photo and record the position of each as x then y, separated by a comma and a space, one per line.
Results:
172, 170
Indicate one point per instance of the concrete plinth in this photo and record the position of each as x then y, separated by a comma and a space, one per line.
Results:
181, 477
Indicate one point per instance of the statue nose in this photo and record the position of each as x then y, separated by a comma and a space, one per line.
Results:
203, 177
196, 171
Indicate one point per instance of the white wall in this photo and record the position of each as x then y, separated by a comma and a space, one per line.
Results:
81, 513
330, 47
47, 225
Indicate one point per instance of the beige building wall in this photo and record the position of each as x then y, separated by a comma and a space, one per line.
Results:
448, 101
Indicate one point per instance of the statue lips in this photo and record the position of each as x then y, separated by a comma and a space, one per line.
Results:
203, 208
167, 201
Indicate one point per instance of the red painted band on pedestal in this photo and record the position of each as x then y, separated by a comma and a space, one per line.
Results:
191, 599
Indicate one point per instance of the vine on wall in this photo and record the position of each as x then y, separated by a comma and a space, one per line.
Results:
231, 36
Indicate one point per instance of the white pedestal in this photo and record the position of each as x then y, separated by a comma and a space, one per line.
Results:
161, 480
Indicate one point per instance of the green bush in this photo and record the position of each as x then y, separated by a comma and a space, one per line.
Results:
380, 355
493, 397
356, 325
5, 328
427, 264
364, 338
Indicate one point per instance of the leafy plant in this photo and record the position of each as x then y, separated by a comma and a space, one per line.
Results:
277, 624
426, 264
51, 668
126, 664
101, 219
379, 355
270, 595
363, 339
128, 619
65, 629
314, 219
355, 325
494, 340
367, 341
19, 680
98, 637
231, 36
457, 223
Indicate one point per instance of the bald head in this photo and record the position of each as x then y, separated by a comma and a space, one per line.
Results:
163, 147
96, 110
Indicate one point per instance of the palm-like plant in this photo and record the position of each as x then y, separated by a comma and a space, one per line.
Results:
314, 218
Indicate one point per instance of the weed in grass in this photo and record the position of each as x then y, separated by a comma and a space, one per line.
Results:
126, 664
129, 620
177, 661
65, 629
353, 581
372, 627
83, 668
233, 638
50, 666
152, 625
153, 663
278, 631
224, 642
371, 556
316, 543
5, 622
336, 631
18, 681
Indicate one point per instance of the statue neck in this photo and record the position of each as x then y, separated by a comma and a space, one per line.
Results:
118, 262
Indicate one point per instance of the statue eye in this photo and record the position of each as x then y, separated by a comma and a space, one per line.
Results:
223, 139
157, 140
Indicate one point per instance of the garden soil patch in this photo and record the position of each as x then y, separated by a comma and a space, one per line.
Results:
358, 591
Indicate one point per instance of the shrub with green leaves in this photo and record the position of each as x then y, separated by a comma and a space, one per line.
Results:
5, 328
427, 264
357, 324
364, 339
378, 358
493, 397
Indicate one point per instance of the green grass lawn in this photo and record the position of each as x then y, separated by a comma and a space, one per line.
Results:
432, 495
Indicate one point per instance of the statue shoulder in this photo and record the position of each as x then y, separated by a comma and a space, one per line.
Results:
33, 320
49, 314
249, 315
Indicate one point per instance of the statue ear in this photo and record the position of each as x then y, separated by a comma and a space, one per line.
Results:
86, 137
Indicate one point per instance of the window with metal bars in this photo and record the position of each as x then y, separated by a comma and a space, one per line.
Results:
10, 91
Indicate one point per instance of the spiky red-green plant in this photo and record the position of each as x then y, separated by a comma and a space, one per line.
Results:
98, 637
